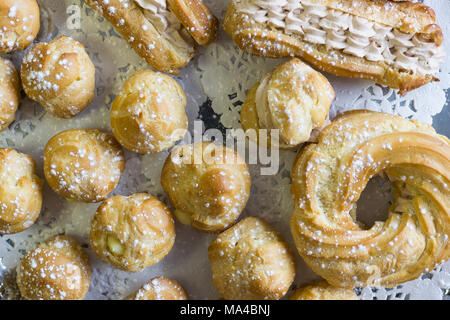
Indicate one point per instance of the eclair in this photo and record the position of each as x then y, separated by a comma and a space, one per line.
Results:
163, 32
397, 44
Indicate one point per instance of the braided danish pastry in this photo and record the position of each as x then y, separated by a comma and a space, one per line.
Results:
328, 179
397, 44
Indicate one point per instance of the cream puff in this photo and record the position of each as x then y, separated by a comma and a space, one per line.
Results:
60, 76
57, 269
9, 93
293, 99
20, 192
83, 165
209, 185
160, 288
19, 24
132, 233
148, 116
251, 261
323, 291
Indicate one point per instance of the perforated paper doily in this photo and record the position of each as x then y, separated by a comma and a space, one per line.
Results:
216, 83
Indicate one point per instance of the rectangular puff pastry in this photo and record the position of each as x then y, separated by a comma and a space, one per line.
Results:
163, 32
392, 43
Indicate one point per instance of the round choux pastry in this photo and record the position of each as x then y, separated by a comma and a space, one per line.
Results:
160, 288
132, 233
148, 116
57, 269
20, 192
251, 261
323, 291
9, 93
294, 99
209, 185
19, 24
83, 165
60, 76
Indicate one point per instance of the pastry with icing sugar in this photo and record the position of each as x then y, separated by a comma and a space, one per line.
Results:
60, 76
57, 269
323, 291
132, 233
251, 261
328, 178
19, 24
160, 288
83, 165
294, 98
397, 44
9, 93
20, 192
148, 116
209, 185
163, 32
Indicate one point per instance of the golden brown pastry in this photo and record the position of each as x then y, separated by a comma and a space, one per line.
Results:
161, 31
9, 93
323, 291
294, 99
19, 24
251, 261
328, 179
397, 44
148, 116
60, 76
57, 269
20, 192
132, 233
209, 185
83, 165
160, 288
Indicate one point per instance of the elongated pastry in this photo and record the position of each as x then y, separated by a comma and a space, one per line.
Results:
328, 179
161, 31
294, 99
396, 44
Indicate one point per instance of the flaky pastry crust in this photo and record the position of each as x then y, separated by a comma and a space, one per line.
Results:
132, 233
251, 261
323, 291
262, 40
20, 192
209, 185
10, 93
160, 288
57, 269
60, 76
148, 116
83, 165
130, 21
19, 24
298, 100
328, 178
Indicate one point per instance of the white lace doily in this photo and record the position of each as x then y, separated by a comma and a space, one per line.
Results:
216, 83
